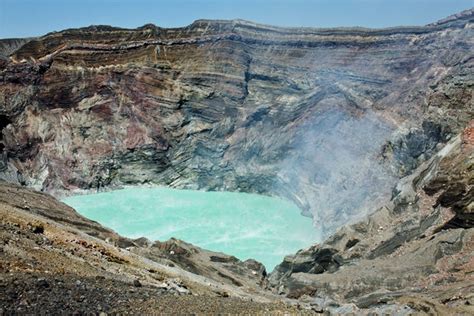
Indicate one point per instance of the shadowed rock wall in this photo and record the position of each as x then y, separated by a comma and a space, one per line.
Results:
328, 118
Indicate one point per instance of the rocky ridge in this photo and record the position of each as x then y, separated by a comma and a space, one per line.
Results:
414, 255
233, 105
54, 259
10, 45
418, 249
307, 114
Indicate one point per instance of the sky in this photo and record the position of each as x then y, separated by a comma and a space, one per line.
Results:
23, 18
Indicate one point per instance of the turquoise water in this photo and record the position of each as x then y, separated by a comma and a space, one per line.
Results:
239, 224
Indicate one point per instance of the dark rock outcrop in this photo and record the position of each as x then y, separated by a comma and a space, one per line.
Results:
10, 45
420, 246
328, 118
335, 120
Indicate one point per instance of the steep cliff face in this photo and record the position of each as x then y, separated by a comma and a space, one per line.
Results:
328, 118
412, 256
332, 119
417, 250
10, 45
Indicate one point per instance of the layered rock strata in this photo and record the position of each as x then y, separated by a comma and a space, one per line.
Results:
414, 255
328, 118
419, 249
332, 119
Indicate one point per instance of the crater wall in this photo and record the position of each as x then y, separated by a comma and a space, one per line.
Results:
328, 118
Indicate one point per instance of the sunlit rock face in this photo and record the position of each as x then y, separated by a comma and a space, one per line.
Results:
327, 118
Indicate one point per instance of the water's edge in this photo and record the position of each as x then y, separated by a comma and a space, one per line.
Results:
241, 224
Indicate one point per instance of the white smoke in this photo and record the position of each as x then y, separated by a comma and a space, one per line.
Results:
333, 172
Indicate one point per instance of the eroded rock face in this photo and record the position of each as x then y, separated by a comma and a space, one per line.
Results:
328, 118
417, 250
10, 45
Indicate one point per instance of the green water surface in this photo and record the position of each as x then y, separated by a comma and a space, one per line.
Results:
240, 224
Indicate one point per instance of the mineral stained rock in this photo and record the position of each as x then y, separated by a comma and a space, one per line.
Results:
343, 122
328, 118
417, 250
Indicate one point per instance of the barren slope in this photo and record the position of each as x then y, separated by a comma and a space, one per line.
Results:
344, 122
